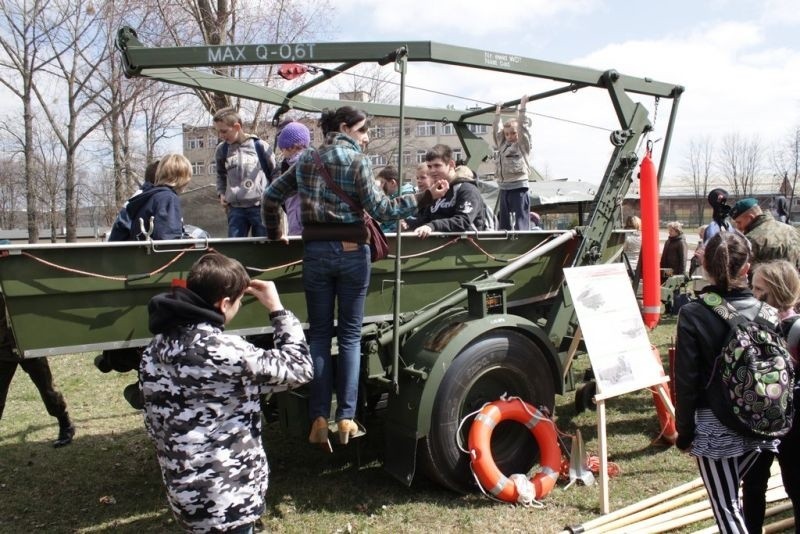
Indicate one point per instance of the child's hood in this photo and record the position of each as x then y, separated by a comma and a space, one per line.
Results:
135, 203
180, 307
463, 174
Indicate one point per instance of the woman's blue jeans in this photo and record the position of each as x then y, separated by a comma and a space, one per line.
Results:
335, 279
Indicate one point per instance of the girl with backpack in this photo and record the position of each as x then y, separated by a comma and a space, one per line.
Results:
778, 284
723, 454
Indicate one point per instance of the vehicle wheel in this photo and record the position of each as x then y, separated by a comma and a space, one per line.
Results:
497, 363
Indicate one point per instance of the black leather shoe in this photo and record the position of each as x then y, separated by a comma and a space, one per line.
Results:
65, 435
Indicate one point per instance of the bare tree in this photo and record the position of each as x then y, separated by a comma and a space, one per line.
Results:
740, 163
130, 104
49, 162
118, 95
699, 162
25, 27
74, 91
786, 165
12, 191
239, 21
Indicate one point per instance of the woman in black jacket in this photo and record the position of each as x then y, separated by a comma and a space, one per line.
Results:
676, 251
723, 454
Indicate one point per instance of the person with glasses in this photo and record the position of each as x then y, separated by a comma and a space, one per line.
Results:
336, 259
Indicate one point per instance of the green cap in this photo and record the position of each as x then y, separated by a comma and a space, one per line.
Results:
742, 206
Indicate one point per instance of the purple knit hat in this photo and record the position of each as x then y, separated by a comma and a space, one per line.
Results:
294, 133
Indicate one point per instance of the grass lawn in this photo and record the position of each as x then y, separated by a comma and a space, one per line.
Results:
108, 479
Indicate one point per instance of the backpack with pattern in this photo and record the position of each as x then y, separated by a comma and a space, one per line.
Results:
752, 379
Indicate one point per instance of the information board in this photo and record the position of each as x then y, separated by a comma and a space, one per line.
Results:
611, 322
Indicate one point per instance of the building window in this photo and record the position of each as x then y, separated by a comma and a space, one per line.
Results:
378, 160
426, 129
212, 169
198, 168
195, 143
213, 140
478, 129
448, 129
378, 132
391, 130
457, 154
406, 157
421, 156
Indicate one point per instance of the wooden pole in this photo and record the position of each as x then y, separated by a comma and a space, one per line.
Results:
635, 507
779, 526
688, 519
670, 515
605, 507
649, 512
774, 510
666, 526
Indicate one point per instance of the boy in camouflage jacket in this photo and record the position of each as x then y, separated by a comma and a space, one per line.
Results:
201, 391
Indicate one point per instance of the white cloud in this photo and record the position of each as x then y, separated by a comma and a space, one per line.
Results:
781, 12
739, 62
440, 20
734, 81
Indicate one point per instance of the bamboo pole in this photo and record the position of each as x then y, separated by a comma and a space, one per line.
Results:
635, 507
674, 517
650, 512
771, 494
778, 526
666, 526
668, 516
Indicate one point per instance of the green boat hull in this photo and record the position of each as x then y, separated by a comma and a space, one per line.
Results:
78, 297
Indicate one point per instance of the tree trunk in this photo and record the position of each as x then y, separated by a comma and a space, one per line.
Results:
30, 182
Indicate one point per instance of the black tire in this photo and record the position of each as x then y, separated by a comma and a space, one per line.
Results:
496, 363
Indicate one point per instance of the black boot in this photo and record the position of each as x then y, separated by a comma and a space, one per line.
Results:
66, 431
133, 395
102, 364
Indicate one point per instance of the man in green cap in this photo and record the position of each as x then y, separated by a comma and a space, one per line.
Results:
769, 239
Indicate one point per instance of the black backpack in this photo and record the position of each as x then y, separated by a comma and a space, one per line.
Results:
751, 383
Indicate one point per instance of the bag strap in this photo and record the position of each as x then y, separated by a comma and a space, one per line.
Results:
323, 170
263, 159
726, 311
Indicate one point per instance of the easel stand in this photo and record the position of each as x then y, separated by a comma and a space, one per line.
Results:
600, 400
617, 343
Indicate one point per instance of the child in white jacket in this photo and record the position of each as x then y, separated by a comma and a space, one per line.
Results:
513, 143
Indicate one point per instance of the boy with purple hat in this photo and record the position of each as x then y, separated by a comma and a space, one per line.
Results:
293, 139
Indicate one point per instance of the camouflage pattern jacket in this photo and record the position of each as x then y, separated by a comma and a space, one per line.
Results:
201, 392
773, 240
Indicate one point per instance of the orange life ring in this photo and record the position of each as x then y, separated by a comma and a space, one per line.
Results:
543, 430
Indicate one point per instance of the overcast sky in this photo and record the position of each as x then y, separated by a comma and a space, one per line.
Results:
738, 59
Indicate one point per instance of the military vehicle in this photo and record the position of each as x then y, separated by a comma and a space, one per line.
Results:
451, 322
